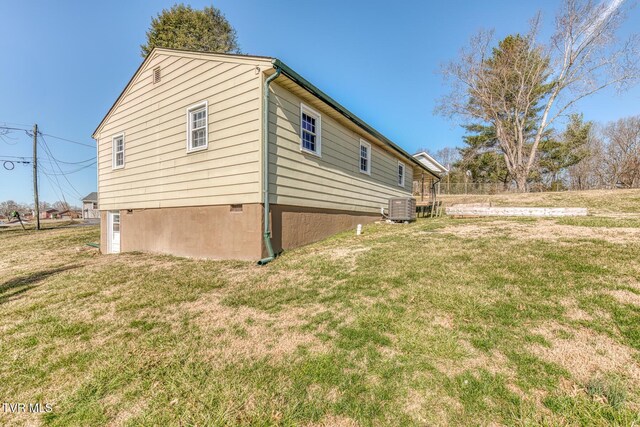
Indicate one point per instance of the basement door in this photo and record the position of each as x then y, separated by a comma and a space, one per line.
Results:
114, 232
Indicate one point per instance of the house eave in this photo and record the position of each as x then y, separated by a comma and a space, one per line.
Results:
310, 87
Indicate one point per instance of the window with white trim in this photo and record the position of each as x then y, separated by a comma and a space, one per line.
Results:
365, 157
197, 127
310, 130
400, 174
118, 151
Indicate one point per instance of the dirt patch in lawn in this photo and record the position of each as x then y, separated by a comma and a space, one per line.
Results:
575, 313
335, 421
246, 333
626, 297
346, 252
493, 362
543, 230
585, 353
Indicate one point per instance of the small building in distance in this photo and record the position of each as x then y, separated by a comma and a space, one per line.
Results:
90, 206
49, 214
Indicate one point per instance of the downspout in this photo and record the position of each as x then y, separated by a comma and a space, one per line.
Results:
265, 167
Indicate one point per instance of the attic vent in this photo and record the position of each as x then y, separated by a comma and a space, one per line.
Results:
156, 75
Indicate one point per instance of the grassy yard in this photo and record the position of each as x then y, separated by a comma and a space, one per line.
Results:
441, 322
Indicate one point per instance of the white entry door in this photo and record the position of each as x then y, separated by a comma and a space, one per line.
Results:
114, 232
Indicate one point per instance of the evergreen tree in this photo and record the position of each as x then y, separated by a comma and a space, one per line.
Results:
182, 27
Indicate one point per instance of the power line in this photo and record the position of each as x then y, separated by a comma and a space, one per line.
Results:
82, 162
69, 140
73, 171
53, 170
9, 164
12, 128
69, 163
17, 124
17, 157
46, 147
43, 169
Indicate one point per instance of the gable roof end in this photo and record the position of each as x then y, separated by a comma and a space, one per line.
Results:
162, 49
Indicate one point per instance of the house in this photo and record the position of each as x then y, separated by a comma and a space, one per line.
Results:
69, 214
434, 167
49, 214
232, 156
90, 206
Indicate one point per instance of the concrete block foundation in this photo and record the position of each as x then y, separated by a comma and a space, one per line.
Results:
226, 231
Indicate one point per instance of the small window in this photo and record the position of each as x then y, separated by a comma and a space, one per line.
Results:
310, 130
118, 151
197, 127
401, 174
95, 205
156, 75
116, 222
365, 157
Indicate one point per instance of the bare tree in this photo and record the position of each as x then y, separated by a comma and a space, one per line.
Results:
61, 206
523, 86
622, 153
8, 207
447, 156
589, 172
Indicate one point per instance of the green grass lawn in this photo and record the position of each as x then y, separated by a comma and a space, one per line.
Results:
441, 322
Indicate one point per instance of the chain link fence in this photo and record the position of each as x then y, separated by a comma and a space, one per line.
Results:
480, 188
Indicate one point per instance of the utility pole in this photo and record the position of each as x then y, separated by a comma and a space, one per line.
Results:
35, 175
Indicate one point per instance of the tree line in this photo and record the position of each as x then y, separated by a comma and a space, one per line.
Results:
7, 207
584, 155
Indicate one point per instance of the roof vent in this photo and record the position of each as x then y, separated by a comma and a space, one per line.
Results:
156, 75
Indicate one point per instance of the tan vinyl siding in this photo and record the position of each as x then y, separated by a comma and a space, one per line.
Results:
334, 180
158, 170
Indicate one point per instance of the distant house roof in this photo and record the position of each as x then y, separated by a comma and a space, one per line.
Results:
430, 163
51, 210
91, 197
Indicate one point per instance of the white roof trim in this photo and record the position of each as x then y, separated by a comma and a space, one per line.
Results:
431, 163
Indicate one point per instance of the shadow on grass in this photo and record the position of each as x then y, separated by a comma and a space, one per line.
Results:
19, 285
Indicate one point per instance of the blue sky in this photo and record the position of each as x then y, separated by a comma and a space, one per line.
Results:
64, 63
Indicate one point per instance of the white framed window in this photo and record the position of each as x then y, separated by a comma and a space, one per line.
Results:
117, 147
197, 127
365, 157
310, 131
401, 170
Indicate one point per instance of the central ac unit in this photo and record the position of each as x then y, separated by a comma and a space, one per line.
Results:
402, 209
